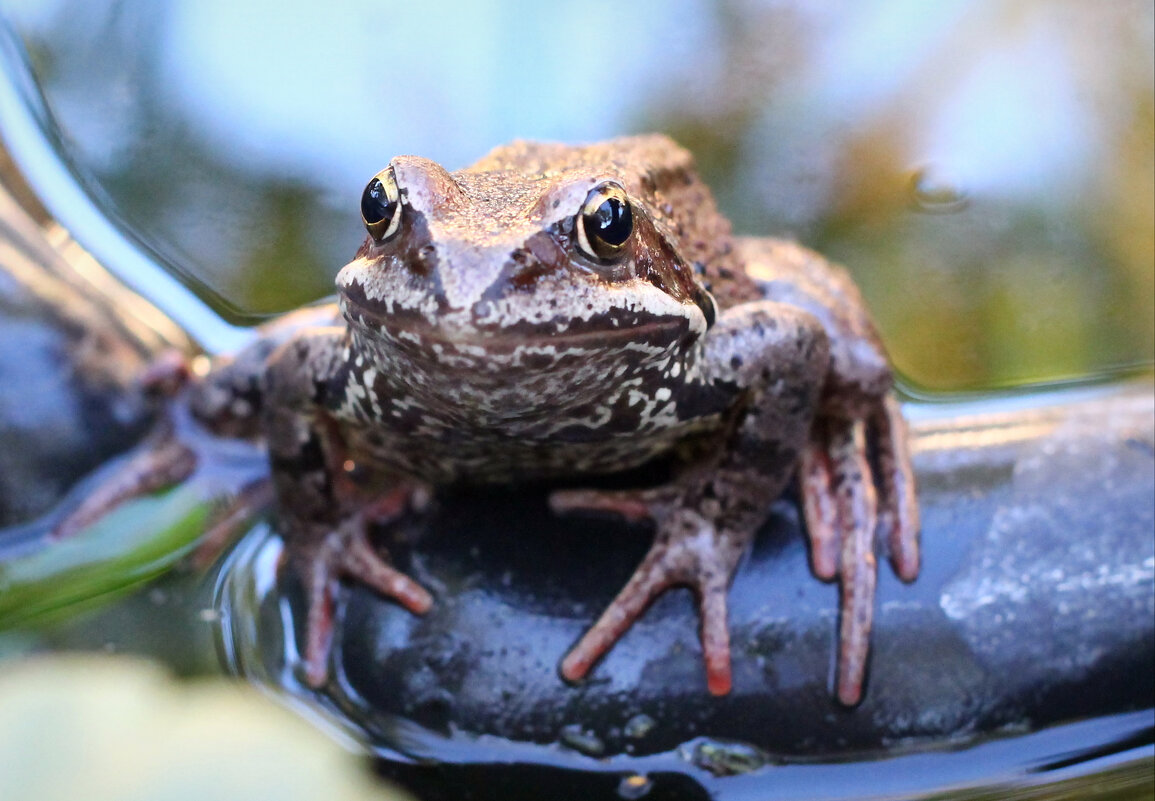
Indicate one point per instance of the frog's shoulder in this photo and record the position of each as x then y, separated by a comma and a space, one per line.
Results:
783, 268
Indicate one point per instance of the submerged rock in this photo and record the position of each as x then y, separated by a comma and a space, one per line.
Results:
1036, 606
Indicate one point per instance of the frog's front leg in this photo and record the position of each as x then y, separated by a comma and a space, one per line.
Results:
856, 476
324, 514
764, 363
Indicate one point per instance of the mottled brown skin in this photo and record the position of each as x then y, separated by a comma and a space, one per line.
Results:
481, 343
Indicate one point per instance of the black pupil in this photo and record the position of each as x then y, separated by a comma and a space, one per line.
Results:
611, 222
375, 203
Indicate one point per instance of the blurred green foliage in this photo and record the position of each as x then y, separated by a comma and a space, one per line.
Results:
984, 169
115, 729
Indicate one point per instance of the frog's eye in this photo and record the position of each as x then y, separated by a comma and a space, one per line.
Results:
605, 222
381, 206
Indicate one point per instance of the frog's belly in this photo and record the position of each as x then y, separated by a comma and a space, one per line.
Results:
484, 457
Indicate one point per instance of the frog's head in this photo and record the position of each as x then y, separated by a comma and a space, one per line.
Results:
536, 253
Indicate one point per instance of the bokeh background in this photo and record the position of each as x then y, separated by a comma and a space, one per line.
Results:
986, 168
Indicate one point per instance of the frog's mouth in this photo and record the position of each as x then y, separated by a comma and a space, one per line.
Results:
615, 327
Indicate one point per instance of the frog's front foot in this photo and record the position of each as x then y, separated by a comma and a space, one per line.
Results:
692, 548
858, 486
323, 555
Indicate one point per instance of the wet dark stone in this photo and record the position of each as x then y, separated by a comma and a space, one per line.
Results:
1035, 607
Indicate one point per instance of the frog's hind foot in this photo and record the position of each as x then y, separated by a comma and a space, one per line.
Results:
689, 550
850, 501
344, 552
159, 463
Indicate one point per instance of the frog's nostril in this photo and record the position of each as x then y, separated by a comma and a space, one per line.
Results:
525, 269
422, 261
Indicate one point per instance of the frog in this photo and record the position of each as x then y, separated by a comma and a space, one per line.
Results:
567, 313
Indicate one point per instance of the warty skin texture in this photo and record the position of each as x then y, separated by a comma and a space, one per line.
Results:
481, 341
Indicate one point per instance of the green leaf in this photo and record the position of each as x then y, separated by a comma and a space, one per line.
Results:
131, 544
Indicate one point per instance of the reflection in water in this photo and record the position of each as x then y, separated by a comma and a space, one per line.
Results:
932, 193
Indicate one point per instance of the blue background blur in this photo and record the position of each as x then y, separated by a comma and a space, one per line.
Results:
985, 168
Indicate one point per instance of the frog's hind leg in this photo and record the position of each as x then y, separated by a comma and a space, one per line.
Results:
160, 462
851, 499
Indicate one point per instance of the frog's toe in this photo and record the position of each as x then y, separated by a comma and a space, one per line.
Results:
898, 515
840, 503
851, 501
715, 636
820, 508
696, 556
859, 573
320, 582
359, 561
632, 505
